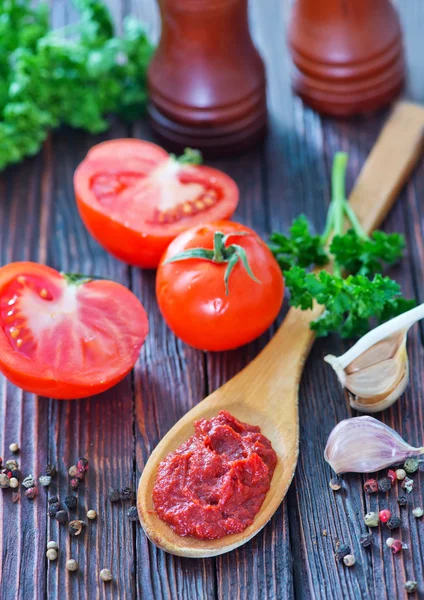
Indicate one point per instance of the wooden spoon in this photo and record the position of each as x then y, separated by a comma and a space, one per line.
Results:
265, 393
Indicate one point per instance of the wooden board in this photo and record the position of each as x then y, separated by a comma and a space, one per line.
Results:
293, 555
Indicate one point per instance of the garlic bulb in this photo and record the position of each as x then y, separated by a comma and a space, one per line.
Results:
375, 371
365, 445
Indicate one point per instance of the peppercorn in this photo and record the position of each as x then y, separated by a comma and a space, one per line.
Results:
371, 519
8, 472
396, 546
61, 516
13, 482
418, 512
411, 586
394, 522
341, 551
53, 499
91, 514
31, 493
51, 554
349, 560
28, 482
82, 464
53, 508
16, 474
14, 447
126, 494
71, 501
105, 575
45, 480
74, 483
76, 527
71, 564
400, 474
411, 465
390, 542
51, 470
366, 539
384, 515
4, 481
133, 515
11, 464
384, 484
402, 500
53, 545
391, 475
113, 495
371, 486
408, 484
73, 471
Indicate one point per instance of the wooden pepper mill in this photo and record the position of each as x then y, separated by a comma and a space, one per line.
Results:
206, 79
348, 54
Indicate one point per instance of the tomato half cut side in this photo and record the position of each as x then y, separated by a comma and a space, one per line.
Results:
135, 199
63, 338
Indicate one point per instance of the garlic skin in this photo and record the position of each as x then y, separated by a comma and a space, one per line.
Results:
365, 445
375, 371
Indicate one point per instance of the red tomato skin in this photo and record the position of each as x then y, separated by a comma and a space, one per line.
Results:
139, 244
32, 378
191, 293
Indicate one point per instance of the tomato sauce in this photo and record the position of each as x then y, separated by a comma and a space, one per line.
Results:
215, 482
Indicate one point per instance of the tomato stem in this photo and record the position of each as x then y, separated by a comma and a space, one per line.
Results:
220, 254
78, 278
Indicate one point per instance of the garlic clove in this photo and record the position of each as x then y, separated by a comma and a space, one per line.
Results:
379, 352
374, 405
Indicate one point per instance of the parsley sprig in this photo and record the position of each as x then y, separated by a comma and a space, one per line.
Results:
354, 302
74, 76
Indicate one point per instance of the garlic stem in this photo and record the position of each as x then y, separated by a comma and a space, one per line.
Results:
399, 323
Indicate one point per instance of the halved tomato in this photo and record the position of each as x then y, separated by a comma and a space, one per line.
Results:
64, 336
135, 198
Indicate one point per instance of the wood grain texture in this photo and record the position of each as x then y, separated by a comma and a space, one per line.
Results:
293, 555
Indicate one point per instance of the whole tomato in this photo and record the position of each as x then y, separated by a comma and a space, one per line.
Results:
218, 286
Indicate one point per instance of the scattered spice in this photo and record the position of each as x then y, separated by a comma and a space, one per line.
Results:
394, 522
400, 474
13, 482
384, 515
132, 514
418, 512
391, 475
396, 546
73, 471
349, 560
411, 586
28, 482
51, 554
366, 540
408, 484
45, 480
411, 465
384, 484
342, 550
390, 542
51, 470
91, 514
126, 494
61, 516
74, 483
402, 500
114, 495
82, 465
105, 575
15, 496
16, 474
76, 527
14, 447
371, 486
54, 507
71, 501
11, 464
371, 519
71, 564
31, 492
4, 481
53, 499
53, 545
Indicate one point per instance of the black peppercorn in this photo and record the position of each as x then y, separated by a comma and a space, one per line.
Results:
126, 494
71, 501
53, 499
366, 539
51, 470
132, 513
61, 516
113, 495
16, 474
394, 522
402, 501
341, 551
53, 508
384, 484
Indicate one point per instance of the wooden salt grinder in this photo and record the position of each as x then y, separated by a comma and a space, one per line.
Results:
206, 79
348, 54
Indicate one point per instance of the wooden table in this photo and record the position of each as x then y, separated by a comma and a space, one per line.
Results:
289, 174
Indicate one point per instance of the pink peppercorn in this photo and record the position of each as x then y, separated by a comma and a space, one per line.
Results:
371, 486
391, 475
396, 546
384, 515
